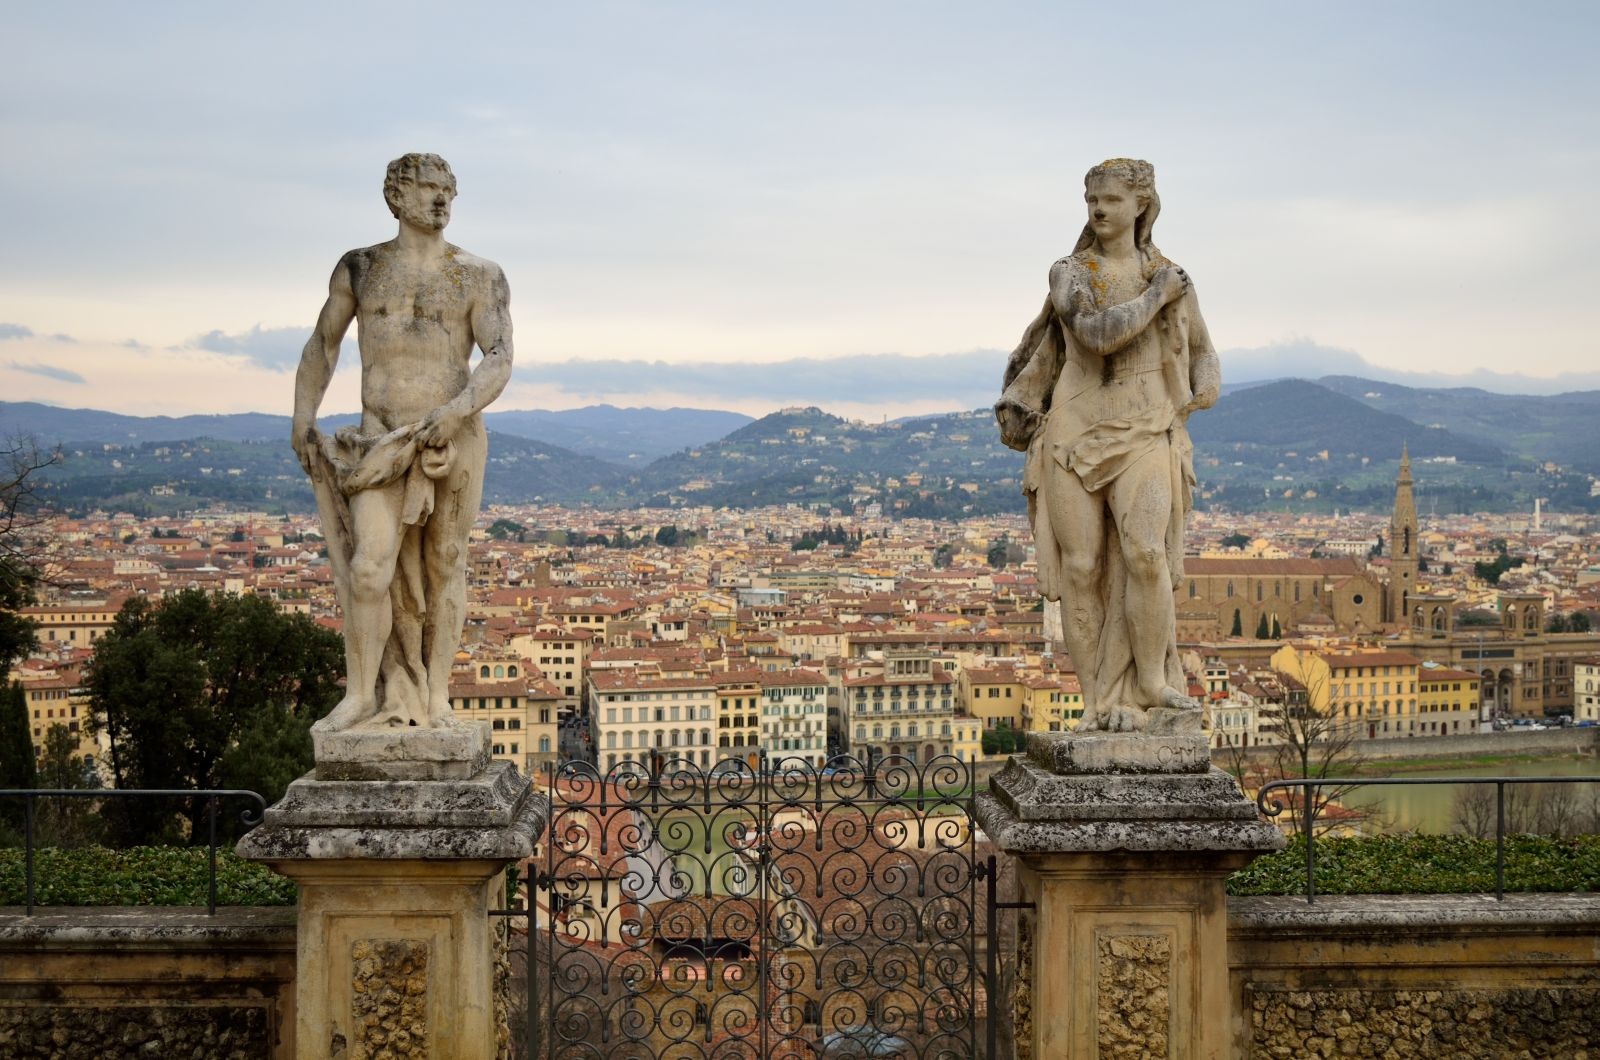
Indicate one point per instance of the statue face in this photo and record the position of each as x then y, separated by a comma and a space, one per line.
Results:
423, 199
1113, 206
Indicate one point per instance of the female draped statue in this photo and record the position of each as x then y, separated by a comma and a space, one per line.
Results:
1098, 394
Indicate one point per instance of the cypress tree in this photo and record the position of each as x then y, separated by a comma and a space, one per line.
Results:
1238, 624
16, 755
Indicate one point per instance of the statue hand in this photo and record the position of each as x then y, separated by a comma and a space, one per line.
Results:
440, 426
1203, 399
1172, 282
304, 439
1018, 423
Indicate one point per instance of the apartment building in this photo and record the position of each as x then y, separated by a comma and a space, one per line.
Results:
902, 705
794, 715
1448, 700
643, 721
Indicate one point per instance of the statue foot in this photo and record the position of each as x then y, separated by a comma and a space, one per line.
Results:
1127, 719
440, 716
1171, 697
350, 711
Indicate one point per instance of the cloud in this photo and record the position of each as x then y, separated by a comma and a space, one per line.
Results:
274, 348
963, 379
15, 331
60, 375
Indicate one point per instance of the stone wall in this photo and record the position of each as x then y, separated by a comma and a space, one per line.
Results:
1450, 976
116, 983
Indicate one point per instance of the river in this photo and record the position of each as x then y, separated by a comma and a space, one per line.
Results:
1427, 807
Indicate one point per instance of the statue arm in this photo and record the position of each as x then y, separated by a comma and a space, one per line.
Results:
1102, 331
1205, 367
491, 330
318, 359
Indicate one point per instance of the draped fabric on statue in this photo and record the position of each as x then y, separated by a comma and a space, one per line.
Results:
350, 462
1098, 453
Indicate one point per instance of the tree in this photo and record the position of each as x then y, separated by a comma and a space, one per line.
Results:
1236, 540
997, 552
501, 529
21, 461
1238, 624
200, 691
667, 536
1262, 630
65, 822
1377, 547
16, 757
1313, 744
1277, 629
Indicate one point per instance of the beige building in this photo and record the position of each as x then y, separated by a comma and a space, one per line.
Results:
794, 716
516, 701
1218, 595
904, 706
646, 722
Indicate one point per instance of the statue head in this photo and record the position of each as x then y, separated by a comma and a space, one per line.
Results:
1138, 178
419, 189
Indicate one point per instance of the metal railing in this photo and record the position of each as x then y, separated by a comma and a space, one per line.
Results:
213, 797
1311, 808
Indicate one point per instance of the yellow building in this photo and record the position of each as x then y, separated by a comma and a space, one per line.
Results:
54, 697
739, 715
1376, 692
1447, 701
1054, 703
518, 703
995, 696
966, 741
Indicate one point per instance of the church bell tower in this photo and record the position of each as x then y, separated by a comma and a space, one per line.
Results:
1403, 547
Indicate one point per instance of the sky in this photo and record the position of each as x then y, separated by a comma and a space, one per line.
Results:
750, 205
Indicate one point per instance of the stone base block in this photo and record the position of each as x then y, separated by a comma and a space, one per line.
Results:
1075, 754
492, 815
453, 753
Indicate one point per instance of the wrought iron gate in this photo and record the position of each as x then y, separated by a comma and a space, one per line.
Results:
779, 910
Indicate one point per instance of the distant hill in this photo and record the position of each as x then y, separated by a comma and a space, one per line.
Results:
1558, 427
1309, 418
1284, 445
621, 435
170, 476
627, 436
937, 466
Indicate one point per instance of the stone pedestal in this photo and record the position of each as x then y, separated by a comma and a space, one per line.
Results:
397, 876
1125, 843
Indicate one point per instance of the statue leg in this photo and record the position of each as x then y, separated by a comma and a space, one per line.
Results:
1077, 518
1141, 501
444, 562
375, 525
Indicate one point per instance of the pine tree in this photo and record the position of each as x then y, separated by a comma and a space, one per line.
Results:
1238, 624
1277, 630
1262, 630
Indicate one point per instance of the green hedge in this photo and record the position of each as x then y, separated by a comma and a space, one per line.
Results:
138, 876
1404, 864
1425, 864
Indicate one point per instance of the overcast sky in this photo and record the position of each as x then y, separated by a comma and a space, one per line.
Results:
861, 197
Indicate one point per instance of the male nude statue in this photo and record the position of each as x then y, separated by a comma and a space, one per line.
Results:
399, 494
1098, 394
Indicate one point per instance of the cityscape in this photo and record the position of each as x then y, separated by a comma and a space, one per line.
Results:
637, 635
